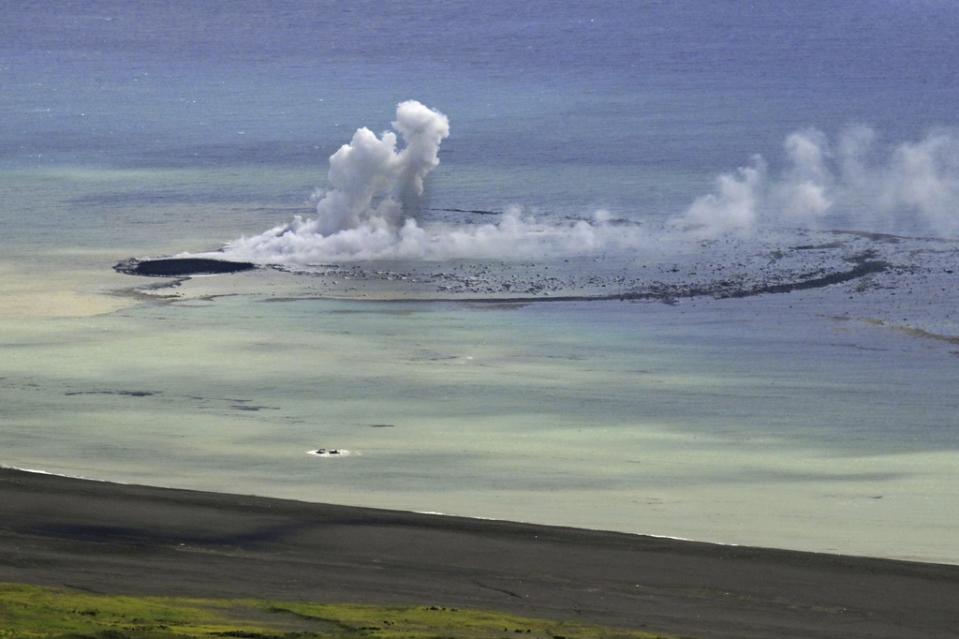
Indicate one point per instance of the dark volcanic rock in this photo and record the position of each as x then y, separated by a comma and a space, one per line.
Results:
180, 266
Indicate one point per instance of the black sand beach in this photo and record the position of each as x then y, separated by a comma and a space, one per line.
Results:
120, 539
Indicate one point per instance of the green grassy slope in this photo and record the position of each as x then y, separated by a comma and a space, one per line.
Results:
28, 612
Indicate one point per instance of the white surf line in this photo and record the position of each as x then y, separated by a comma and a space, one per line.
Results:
437, 513
39, 471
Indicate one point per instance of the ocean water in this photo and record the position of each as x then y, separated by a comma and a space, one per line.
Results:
818, 419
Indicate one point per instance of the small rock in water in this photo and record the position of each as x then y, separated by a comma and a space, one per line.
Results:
329, 452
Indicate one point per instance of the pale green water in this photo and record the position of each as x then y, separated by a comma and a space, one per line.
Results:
746, 421
133, 130
700, 421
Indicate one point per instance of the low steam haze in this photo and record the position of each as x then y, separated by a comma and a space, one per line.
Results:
856, 180
377, 185
369, 213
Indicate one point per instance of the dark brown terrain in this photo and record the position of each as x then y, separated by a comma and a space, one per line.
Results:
122, 539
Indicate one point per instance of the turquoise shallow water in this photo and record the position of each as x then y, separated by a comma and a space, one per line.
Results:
132, 129
704, 421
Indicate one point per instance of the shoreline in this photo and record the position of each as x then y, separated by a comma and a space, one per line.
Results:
483, 518
849, 267
129, 539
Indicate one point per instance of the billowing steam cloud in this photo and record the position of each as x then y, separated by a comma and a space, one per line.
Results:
375, 187
369, 210
912, 186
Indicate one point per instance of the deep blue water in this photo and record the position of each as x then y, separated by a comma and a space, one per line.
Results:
631, 105
136, 128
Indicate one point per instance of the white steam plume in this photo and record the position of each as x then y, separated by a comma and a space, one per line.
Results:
368, 213
912, 186
732, 207
369, 210
371, 181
